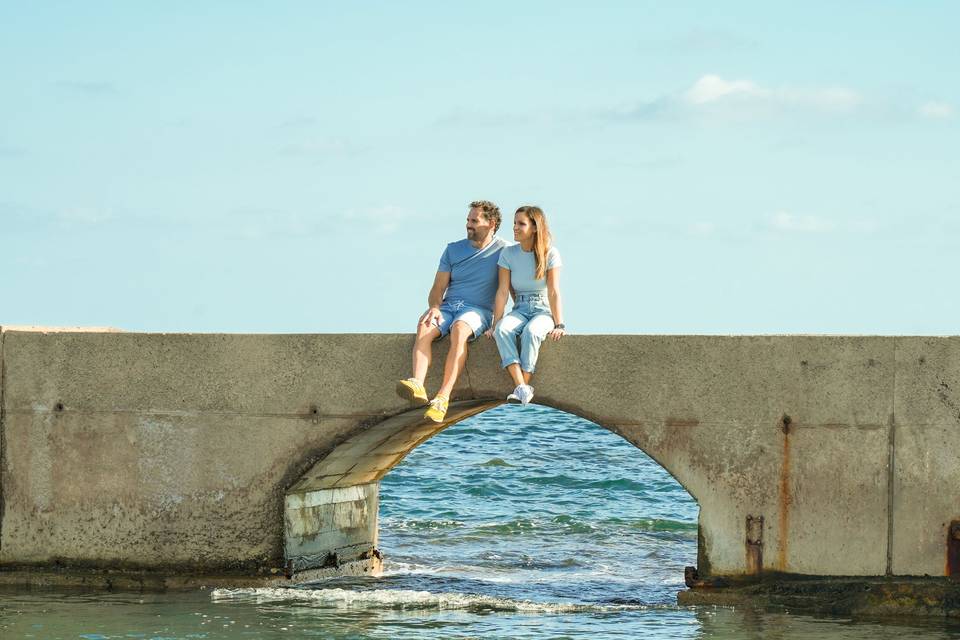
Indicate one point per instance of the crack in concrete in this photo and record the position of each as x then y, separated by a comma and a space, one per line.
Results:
892, 462
174, 413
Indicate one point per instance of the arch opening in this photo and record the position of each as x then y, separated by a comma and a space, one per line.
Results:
531, 503
332, 514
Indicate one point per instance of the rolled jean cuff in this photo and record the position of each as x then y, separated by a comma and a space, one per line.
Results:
506, 363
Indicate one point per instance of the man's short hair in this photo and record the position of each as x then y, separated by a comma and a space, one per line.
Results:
490, 211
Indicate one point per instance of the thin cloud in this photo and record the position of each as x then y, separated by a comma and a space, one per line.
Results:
85, 216
697, 41
384, 219
88, 88
702, 228
937, 110
713, 95
712, 90
20, 217
319, 148
465, 117
298, 122
787, 222
255, 223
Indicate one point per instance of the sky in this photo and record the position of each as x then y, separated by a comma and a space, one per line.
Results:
706, 168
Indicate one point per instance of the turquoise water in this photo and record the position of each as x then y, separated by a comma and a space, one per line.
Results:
522, 522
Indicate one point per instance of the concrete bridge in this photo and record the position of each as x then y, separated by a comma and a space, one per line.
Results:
258, 457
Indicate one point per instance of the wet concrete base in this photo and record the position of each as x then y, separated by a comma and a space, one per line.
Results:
152, 581
854, 597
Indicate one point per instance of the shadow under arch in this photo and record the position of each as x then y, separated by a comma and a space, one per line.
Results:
331, 512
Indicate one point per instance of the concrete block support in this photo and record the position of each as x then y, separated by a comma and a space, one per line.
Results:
330, 527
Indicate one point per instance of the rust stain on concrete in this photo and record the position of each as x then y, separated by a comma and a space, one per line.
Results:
784, 497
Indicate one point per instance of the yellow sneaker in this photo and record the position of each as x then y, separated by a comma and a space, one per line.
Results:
438, 409
412, 390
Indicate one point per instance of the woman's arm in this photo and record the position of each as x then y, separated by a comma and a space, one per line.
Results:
500, 300
556, 304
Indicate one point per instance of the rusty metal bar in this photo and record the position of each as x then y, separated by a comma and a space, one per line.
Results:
754, 545
953, 550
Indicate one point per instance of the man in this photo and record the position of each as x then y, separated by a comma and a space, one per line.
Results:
461, 305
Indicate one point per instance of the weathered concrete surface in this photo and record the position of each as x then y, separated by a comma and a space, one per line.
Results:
146, 451
179, 451
926, 478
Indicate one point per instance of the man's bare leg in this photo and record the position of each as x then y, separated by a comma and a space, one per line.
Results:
423, 350
460, 332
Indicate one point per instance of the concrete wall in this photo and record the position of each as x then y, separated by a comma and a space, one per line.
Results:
191, 452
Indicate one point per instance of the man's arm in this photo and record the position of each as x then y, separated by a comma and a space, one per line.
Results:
435, 298
500, 300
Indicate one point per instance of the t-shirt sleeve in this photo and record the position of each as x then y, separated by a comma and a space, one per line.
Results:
553, 258
504, 260
445, 265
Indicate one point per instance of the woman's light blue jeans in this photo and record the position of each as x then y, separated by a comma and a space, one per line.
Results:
532, 321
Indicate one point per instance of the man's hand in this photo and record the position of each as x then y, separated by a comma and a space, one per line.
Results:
489, 333
431, 317
556, 334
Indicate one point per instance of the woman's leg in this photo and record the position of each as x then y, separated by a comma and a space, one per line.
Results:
531, 338
505, 334
517, 375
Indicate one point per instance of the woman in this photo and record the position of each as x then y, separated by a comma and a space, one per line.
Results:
530, 270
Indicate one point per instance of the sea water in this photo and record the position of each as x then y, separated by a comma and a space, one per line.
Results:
521, 522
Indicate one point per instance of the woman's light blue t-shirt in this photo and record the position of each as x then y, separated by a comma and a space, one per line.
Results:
523, 268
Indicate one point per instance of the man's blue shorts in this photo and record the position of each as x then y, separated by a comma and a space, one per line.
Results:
477, 318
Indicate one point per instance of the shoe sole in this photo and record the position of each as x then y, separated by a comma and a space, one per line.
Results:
513, 401
434, 420
407, 394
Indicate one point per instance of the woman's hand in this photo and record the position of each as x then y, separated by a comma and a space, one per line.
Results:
556, 334
489, 333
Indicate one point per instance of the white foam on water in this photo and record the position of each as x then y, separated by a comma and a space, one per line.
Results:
397, 568
408, 599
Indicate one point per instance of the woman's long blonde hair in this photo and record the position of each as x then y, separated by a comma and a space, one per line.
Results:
541, 239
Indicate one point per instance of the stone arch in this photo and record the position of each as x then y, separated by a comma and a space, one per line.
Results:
331, 511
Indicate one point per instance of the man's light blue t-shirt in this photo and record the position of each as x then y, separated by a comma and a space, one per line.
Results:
473, 273
523, 268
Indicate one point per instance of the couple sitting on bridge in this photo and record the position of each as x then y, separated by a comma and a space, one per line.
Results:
469, 297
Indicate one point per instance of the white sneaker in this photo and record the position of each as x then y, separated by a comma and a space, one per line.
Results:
524, 393
514, 398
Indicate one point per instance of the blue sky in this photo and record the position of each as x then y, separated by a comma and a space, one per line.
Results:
736, 167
